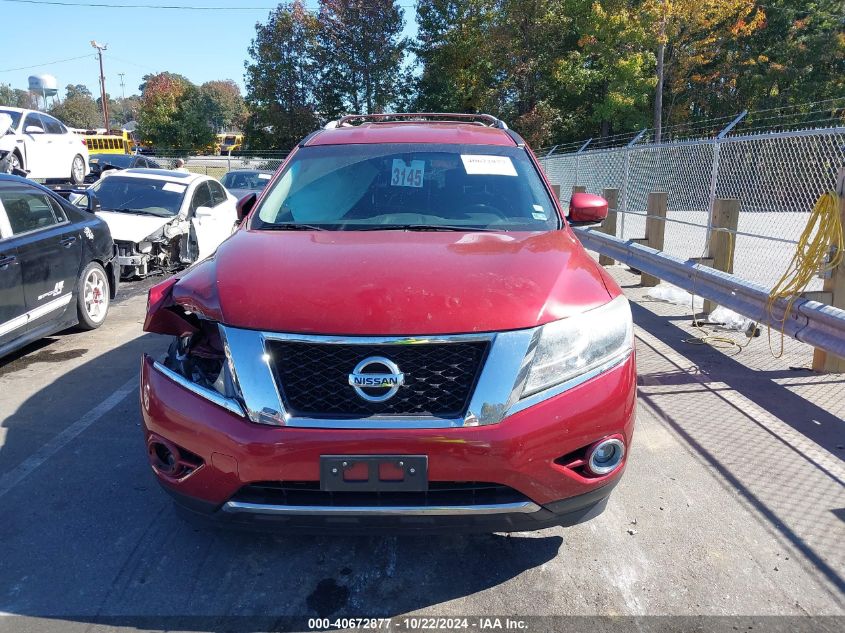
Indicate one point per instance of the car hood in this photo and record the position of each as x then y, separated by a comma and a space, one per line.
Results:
392, 282
131, 227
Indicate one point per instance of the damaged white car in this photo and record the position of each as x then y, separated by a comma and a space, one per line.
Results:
162, 220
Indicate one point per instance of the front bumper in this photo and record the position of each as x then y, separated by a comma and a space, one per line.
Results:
520, 452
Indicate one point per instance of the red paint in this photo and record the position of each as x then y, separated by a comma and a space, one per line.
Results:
392, 282
519, 452
587, 207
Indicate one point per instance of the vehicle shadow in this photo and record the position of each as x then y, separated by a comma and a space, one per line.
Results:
88, 536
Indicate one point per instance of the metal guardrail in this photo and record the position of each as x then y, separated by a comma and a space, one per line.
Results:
808, 321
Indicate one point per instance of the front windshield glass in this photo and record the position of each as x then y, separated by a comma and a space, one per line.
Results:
139, 195
16, 117
252, 180
371, 187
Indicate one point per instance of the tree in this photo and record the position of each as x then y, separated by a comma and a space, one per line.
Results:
281, 76
361, 55
17, 98
455, 47
224, 105
606, 79
78, 110
161, 98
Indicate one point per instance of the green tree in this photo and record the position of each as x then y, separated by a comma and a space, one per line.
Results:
361, 55
224, 105
17, 98
78, 110
456, 51
281, 78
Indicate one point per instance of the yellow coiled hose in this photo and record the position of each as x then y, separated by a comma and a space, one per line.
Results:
820, 249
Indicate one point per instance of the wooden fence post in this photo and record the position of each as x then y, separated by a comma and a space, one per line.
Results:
609, 225
722, 243
579, 189
655, 228
835, 285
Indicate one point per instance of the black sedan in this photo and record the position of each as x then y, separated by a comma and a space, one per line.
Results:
56, 265
101, 163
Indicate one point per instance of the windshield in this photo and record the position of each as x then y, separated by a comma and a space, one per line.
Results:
253, 180
370, 187
16, 117
153, 197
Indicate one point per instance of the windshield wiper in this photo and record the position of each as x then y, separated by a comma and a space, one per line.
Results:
138, 211
424, 227
293, 226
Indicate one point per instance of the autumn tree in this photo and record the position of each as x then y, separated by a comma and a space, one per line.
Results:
281, 78
361, 54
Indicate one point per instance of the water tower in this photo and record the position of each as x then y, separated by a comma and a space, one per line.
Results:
44, 85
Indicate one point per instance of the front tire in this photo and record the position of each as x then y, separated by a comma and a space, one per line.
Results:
77, 170
13, 162
92, 297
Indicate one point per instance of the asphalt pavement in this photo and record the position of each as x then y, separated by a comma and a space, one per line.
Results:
732, 504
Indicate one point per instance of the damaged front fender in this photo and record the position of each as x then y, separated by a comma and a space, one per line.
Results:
177, 305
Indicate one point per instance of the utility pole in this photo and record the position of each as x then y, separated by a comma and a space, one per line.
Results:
100, 48
122, 97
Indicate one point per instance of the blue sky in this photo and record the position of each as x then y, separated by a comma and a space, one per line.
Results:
202, 45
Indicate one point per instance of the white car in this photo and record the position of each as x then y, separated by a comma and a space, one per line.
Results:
161, 219
42, 145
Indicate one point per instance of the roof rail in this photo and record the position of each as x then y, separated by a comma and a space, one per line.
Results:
412, 117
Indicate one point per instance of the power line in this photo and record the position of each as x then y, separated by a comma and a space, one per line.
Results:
58, 61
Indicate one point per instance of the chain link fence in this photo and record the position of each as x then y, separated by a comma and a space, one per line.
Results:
218, 166
776, 176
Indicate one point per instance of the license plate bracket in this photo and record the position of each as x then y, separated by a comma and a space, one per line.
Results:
374, 473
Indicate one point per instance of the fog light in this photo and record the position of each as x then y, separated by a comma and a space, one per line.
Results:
606, 456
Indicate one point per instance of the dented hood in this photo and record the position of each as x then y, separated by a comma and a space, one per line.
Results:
392, 282
132, 227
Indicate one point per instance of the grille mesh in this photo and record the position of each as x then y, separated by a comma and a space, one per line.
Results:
308, 493
439, 378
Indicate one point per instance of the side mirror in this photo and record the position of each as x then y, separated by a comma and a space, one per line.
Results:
93, 202
586, 209
245, 204
33, 129
203, 212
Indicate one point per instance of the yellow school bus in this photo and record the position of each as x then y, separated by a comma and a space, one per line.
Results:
230, 142
116, 142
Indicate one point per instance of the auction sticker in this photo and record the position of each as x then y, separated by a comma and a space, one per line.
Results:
404, 175
174, 187
482, 164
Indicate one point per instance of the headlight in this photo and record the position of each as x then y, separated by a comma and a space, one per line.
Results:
581, 343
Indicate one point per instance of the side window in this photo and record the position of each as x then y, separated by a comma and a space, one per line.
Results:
29, 211
218, 195
33, 120
52, 125
141, 162
202, 197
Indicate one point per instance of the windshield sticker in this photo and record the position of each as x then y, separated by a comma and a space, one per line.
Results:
539, 213
264, 176
174, 187
482, 165
404, 175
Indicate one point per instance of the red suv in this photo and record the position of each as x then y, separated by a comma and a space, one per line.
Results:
404, 334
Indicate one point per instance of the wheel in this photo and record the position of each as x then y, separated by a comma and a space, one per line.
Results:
13, 162
77, 170
92, 297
